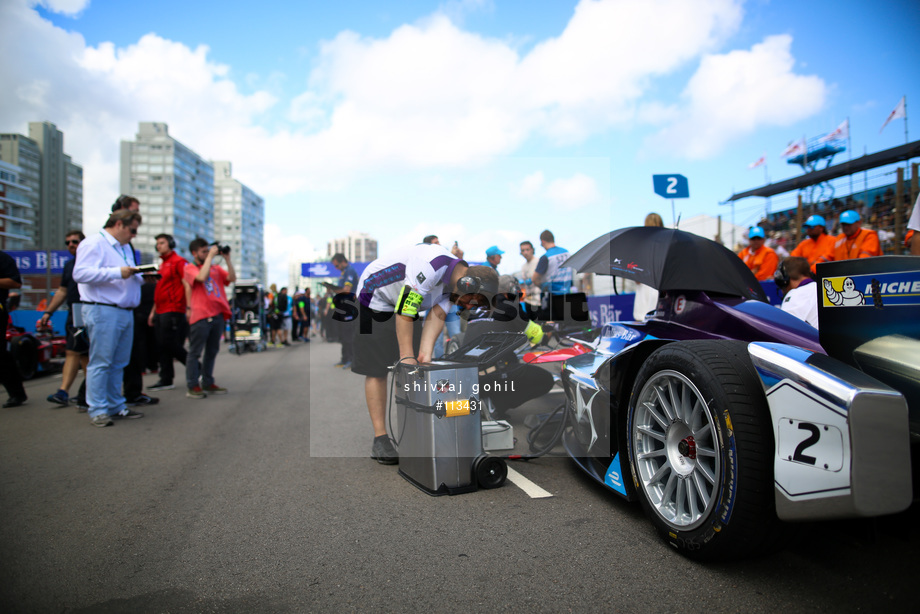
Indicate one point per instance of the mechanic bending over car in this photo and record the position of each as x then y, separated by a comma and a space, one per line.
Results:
391, 294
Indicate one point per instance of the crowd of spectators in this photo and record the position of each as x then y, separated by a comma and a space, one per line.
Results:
878, 215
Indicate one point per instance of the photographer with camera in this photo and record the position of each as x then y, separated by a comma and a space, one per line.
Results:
208, 309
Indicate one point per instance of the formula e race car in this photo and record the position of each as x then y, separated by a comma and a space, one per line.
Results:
726, 417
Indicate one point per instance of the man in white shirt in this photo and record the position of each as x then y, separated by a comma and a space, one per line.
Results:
801, 293
393, 291
531, 290
110, 289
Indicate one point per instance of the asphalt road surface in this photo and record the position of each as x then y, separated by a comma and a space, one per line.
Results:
264, 500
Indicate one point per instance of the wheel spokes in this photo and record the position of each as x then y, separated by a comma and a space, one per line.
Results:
670, 414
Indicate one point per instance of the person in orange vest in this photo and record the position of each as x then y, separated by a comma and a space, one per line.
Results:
761, 259
819, 246
855, 241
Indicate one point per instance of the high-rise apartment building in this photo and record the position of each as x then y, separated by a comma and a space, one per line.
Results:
174, 185
357, 247
239, 219
16, 210
54, 181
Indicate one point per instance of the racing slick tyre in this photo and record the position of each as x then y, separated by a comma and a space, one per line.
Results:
490, 471
25, 352
701, 450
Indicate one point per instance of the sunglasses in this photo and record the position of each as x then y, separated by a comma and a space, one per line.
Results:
72, 242
134, 231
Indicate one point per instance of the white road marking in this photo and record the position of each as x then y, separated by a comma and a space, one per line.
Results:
532, 490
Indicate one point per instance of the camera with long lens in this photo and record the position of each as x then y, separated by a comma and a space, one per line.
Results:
223, 249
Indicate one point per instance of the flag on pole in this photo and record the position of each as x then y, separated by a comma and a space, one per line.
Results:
761, 160
794, 148
840, 133
898, 113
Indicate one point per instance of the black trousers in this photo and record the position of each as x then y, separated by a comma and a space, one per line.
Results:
171, 332
133, 378
9, 373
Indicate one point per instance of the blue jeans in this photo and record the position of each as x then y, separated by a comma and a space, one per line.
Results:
112, 332
203, 335
451, 327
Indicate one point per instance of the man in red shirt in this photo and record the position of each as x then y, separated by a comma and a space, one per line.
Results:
761, 259
168, 313
855, 241
205, 286
819, 246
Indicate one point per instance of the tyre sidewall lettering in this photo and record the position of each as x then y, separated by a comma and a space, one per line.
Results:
720, 516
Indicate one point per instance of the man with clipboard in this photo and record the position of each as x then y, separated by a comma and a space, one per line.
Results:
110, 288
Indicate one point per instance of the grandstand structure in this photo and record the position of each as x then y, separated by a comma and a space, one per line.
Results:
876, 185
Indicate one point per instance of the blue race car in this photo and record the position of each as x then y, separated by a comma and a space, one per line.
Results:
726, 417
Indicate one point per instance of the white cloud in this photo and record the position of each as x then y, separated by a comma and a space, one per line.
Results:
282, 248
734, 94
65, 7
457, 10
573, 192
530, 186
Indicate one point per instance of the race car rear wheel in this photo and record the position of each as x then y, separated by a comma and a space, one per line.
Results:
700, 449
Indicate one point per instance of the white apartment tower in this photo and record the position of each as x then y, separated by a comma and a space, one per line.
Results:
16, 214
357, 247
175, 187
239, 219
55, 183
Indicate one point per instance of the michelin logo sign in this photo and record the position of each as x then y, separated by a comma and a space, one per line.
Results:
868, 290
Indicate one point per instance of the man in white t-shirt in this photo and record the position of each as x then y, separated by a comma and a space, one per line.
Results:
392, 292
801, 295
531, 290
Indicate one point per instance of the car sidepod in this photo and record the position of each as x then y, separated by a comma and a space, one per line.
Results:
842, 437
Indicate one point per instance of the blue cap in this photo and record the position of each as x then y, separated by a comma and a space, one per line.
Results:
815, 220
756, 232
494, 251
849, 217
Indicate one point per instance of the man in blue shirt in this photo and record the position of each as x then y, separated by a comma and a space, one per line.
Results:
551, 276
345, 291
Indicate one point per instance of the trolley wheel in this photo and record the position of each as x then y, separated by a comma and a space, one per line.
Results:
490, 471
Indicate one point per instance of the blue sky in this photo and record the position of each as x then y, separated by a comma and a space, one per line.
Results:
481, 121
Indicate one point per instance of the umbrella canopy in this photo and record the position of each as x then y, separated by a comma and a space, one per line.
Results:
668, 259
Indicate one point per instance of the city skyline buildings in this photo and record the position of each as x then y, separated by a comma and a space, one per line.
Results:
357, 247
54, 182
184, 195
239, 222
174, 185
16, 219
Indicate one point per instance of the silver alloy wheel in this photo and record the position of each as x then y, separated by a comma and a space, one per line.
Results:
676, 449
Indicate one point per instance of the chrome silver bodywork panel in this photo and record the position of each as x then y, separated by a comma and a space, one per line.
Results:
842, 437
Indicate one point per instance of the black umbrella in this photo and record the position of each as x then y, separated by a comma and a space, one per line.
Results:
668, 259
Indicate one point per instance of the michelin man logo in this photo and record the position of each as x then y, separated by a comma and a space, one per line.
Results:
847, 296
